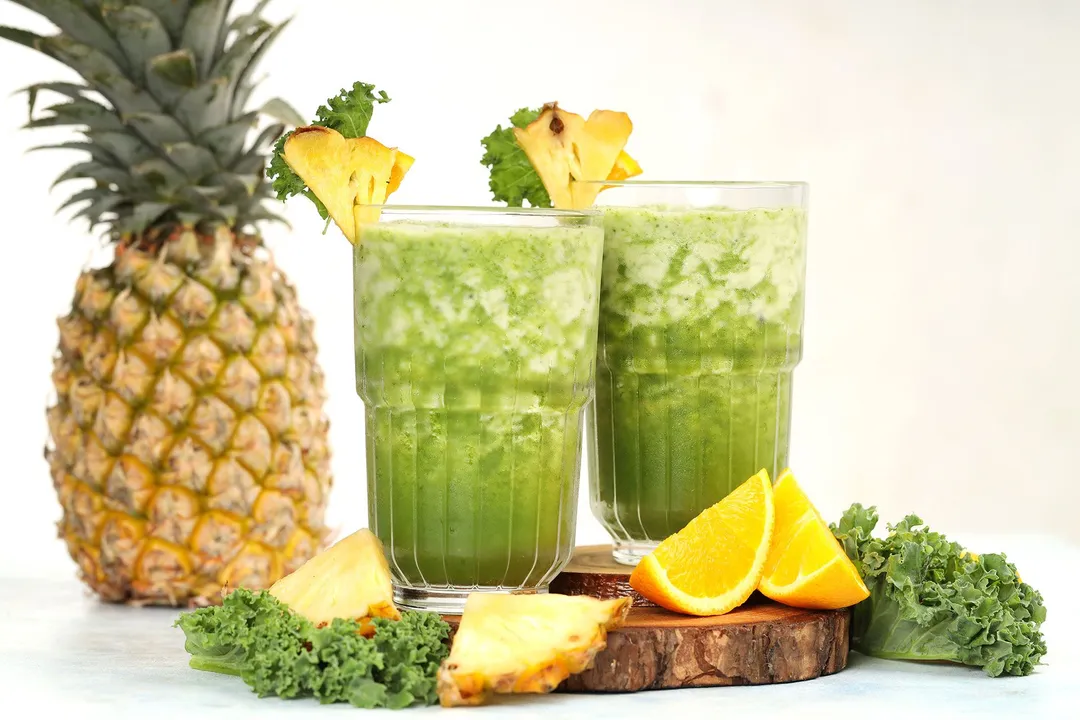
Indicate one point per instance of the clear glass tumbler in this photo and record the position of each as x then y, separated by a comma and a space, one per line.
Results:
701, 314
475, 333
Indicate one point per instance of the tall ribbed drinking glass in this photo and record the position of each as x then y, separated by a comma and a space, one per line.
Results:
701, 315
475, 335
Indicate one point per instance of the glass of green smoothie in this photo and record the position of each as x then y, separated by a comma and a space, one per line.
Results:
701, 314
475, 334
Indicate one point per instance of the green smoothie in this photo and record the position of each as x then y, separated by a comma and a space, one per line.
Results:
475, 351
700, 329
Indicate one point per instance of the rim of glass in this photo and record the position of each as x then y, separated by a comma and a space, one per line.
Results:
487, 210
729, 184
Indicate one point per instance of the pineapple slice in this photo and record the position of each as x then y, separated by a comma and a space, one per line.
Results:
346, 172
524, 644
564, 147
625, 167
350, 579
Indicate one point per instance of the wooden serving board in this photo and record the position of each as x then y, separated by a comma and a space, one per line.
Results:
758, 643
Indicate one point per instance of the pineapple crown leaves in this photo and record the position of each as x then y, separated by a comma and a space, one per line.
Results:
349, 112
513, 178
163, 108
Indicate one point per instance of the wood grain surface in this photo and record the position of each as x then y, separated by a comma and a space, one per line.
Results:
758, 643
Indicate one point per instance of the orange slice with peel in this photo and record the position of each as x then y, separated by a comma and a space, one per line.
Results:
713, 564
346, 172
807, 567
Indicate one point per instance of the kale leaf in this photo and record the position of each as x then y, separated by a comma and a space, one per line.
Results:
932, 600
280, 653
513, 178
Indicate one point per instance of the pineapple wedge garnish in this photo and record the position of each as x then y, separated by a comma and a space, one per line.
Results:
350, 579
346, 174
524, 644
625, 167
564, 148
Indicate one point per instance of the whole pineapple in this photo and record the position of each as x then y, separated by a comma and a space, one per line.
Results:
189, 445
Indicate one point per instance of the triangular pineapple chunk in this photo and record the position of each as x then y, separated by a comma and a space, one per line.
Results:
350, 579
524, 643
625, 167
564, 148
344, 172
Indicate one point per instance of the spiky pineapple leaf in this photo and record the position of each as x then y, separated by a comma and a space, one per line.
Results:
278, 109
199, 198
88, 113
160, 126
240, 52
141, 34
124, 146
242, 86
197, 162
205, 107
20, 36
226, 213
96, 209
227, 141
178, 67
170, 12
205, 20
142, 216
100, 71
160, 174
158, 129
253, 162
95, 151
242, 23
244, 184
79, 25
95, 6
94, 170
91, 193
266, 138
74, 91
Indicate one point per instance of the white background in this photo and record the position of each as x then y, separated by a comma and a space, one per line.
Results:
941, 140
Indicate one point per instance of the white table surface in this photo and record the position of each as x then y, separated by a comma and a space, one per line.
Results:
60, 649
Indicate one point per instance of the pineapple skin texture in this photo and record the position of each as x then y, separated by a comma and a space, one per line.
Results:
552, 637
188, 444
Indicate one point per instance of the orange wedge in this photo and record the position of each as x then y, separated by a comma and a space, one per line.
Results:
713, 564
806, 567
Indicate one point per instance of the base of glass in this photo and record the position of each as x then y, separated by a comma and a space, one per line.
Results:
448, 600
630, 552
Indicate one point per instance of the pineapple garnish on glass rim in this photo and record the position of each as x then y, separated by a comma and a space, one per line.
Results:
350, 579
567, 151
524, 643
188, 441
350, 176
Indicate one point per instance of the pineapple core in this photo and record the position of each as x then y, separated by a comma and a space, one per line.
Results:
346, 174
350, 579
565, 148
524, 644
